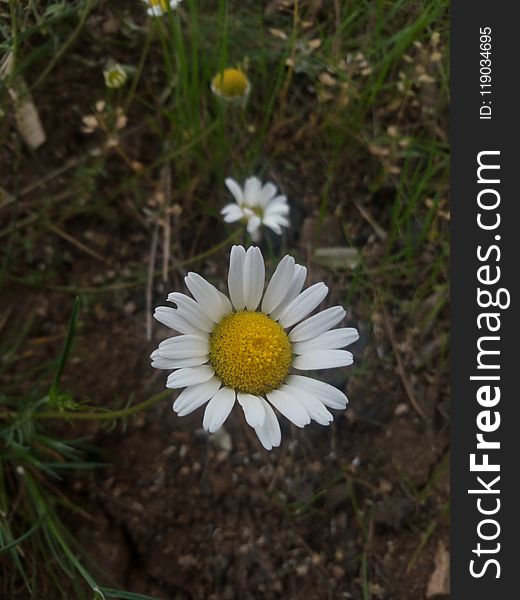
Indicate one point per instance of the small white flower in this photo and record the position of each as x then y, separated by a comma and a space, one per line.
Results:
157, 8
252, 348
258, 205
115, 76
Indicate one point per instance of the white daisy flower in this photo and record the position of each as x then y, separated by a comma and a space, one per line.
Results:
252, 348
157, 8
115, 76
257, 204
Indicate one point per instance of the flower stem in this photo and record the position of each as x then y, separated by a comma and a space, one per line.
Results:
96, 415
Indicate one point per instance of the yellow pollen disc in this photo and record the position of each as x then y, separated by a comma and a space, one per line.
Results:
231, 82
250, 352
161, 3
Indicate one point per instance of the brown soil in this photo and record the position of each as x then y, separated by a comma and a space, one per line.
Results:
178, 514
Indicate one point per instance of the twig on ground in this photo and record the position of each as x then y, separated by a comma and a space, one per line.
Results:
72, 240
400, 366
371, 221
166, 176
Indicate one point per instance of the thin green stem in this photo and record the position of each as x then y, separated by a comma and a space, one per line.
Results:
15, 44
139, 70
88, 7
105, 415
68, 344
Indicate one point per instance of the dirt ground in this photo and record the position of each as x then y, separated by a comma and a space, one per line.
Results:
356, 510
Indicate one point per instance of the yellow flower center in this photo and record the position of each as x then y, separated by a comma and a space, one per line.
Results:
250, 352
231, 82
161, 3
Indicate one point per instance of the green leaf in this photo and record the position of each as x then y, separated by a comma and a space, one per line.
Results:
109, 593
55, 397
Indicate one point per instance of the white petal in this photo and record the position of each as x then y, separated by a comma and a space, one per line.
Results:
256, 235
184, 346
276, 223
207, 295
299, 275
279, 284
317, 324
289, 407
196, 395
276, 219
253, 223
273, 226
154, 11
254, 277
323, 359
191, 311
218, 409
253, 407
328, 394
269, 433
232, 213
276, 209
279, 201
224, 301
267, 193
235, 189
302, 305
161, 362
229, 208
189, 376
311, 404
170, 317
252, 189
330, 340
236, 276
